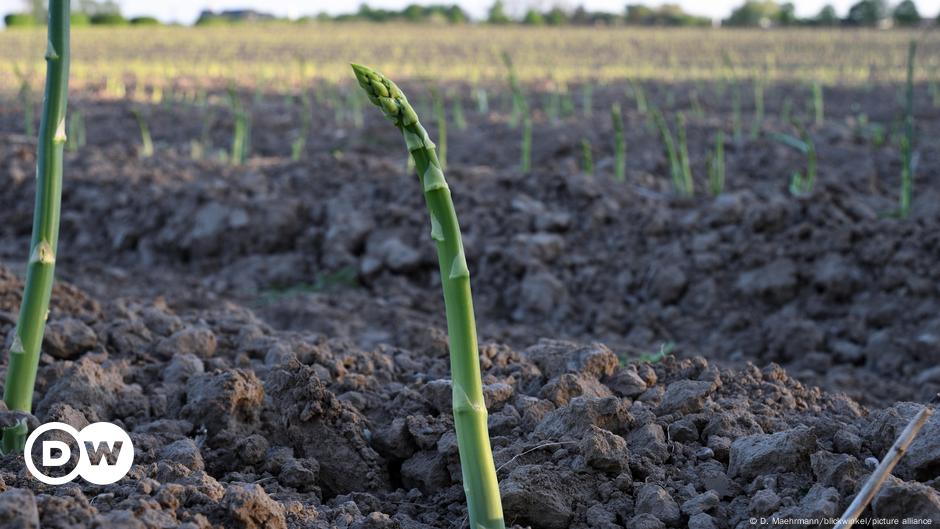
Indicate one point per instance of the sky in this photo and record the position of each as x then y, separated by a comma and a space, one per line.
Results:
186, 11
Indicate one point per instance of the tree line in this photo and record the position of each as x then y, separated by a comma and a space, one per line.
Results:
752, 13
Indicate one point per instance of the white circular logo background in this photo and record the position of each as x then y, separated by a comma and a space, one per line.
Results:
103, 438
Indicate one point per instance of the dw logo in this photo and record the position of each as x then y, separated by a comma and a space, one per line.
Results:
105, 453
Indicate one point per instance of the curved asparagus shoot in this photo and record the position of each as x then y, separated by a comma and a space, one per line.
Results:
27, 339
476, 457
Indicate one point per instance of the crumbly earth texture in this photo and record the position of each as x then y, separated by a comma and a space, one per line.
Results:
272, 336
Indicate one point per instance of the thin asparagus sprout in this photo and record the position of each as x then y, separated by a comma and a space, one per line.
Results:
786, 110
242, 131
476, 458
519, 104
483, 101
669, 147
639, 95
587, 157
567, 101
696, 105
440, 115
758, 122
553, 105
156, 94
819, 113
736, 114
587, 99
684, 162
802, 182
355, 109
306, 118
146, 142
199, 147
620, 143
716, 166
459, 119
908, 160
76, 131
27, 338
525, 163
26, 102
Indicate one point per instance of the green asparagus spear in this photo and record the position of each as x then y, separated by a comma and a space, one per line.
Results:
620, 144
476, 457
27, 339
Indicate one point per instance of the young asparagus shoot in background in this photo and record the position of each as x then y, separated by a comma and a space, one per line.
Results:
801, 183
525, 163
75, 131
819, 112
25, 96
672, 155
758, 122
519, 103
241, 134
483, 101
587, 99
40, 271
716, 165
620, 143
460, 120
587, 157
908, 157
146, 142
306, 121
473, 442
440, 115
685, 164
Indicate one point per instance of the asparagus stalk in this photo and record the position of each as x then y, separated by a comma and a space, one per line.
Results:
907, 141
146, 141
818, 109
587, 157
476, 457
716, 166
685, 165
525, 163
758, 122
27, 339
620, 144
440, 115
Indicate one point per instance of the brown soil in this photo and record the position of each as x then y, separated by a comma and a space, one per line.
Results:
272, 337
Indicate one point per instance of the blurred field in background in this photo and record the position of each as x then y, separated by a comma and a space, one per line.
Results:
283, 56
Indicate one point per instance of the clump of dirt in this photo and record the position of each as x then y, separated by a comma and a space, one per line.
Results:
236, 424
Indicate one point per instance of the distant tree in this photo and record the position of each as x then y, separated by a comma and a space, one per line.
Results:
456, 15
413, 13
144, 21
556, 17
754, 13
787, 15
664, 15
20, 20
533, 18
640, 14
580, 16
867, 13
906, 14
108, 19
497, 14
827, 16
